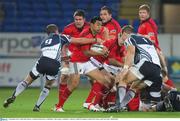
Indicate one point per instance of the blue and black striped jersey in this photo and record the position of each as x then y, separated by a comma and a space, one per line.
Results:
52, 45
144, 49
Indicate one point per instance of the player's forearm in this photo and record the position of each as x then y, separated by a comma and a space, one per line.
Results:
129, 56
162, 61
83, 40
128, 60
106, 34
115, 62
91, 53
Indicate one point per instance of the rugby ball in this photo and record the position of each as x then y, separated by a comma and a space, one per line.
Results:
97, 48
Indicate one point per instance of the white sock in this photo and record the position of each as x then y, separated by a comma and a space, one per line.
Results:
122, 93
129, 95
20, 88
44, 93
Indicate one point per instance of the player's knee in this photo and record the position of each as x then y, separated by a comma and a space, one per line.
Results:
47, 87
64, 79
123, 82
49, 83
32, 75
75, 83
107, 79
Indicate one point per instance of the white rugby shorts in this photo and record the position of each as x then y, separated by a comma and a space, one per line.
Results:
81, 68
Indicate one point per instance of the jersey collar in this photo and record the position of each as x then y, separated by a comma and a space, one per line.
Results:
145, 20
107, 22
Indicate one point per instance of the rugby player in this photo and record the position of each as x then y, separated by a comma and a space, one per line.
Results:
48, 64
80, 64
142, 65
73, 30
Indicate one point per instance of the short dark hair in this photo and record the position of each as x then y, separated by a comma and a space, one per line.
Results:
128, 29
95, 18
79, 12
51, 28
145, 7
107, 9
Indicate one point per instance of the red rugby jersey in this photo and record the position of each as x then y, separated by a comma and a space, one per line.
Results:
115, 51
149, 27
113, 27
79, 56
73, 31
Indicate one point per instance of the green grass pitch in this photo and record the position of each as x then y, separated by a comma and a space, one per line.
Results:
22, 107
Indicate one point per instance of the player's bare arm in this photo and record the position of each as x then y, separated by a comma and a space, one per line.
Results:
106, 34
128, 62
85, 40
104, 52
114, 62
130, 56
162, 60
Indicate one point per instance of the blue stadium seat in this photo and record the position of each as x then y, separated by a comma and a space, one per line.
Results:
135, 24
37, 28
24, 24
39, 21
39, 7
52, 1
93, 13
53, 21
96, 6
56, 14
83, 1
39, 25
24, 1
66, 2
52, 7
25, 28
68, 20
10, 21
33, 15
10, 9
42, 14
83, 4
123, 22
39, 1
22, 6
62, 24
10, 28
68, 7
26, 14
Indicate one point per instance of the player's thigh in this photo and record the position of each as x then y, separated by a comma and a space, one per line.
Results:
77, 67
112, 69
130, 77
109, 76
139, 85
98, 75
